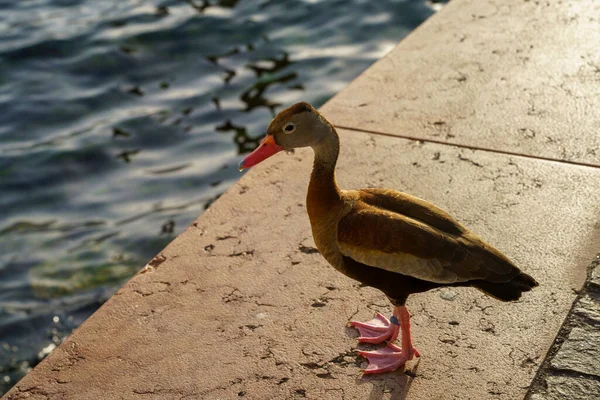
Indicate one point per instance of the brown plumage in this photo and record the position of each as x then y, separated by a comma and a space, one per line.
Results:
386, 239
404, 226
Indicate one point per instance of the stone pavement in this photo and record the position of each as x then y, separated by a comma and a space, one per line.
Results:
572, 367
489, 110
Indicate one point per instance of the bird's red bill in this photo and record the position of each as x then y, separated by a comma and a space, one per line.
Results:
267, 148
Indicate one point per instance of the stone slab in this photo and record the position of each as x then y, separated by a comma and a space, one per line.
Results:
241, 305
589, 309
569, 388
580, 352
509, 75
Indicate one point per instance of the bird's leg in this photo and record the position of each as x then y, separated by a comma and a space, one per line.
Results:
392, 357
407, 346
379, 329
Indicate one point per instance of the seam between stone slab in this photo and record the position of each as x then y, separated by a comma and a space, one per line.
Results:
470, 147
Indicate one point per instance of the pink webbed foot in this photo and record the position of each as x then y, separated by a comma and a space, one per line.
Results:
377, 330
387, 359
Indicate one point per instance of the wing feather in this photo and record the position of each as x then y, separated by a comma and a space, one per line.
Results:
425, 243
412, 207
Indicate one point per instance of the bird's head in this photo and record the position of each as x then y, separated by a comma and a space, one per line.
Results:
297, 126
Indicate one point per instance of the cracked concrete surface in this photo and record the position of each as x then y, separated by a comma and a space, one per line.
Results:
508, 75
240, 305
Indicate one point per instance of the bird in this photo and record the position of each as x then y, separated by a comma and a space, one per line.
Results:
386, 239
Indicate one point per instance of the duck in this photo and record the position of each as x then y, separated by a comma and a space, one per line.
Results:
385, 239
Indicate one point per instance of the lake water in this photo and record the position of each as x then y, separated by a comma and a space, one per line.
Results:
122, 120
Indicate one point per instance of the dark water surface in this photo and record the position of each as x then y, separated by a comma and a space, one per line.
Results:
122, 120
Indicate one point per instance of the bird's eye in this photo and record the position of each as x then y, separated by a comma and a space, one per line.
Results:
289, 127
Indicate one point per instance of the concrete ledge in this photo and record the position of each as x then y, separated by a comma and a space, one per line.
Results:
241, 305
507, 75
241, 302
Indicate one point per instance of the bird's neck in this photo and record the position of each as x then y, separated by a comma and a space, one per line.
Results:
324, 201
323, 190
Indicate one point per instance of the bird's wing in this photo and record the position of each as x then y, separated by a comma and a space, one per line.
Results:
412, 207
427, 245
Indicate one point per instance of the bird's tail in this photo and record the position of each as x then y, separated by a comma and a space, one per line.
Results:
507, 291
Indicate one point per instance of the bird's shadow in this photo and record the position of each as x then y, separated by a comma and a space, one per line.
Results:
396, 384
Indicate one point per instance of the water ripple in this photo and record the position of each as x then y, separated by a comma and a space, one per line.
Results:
123, 120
